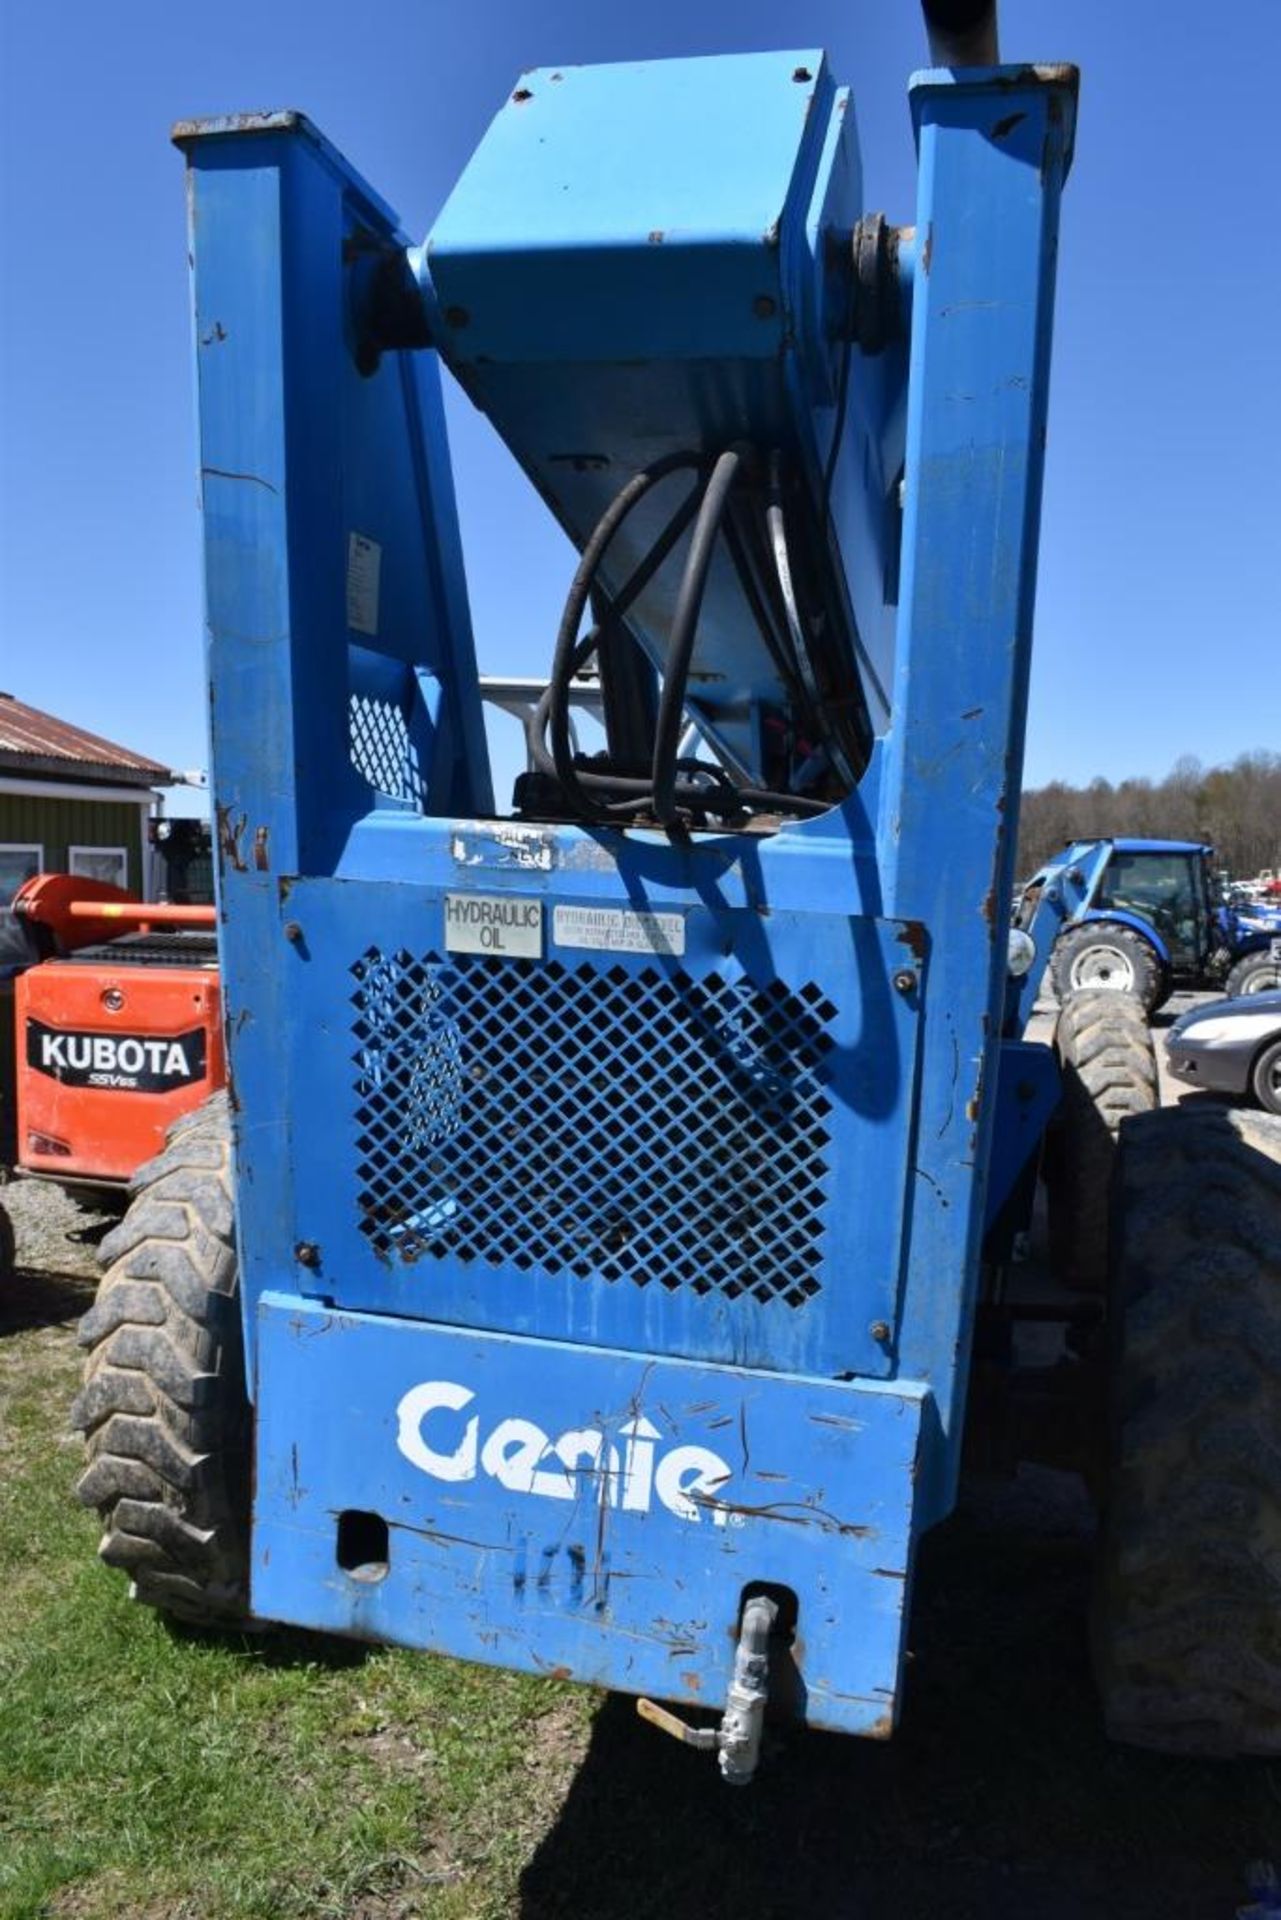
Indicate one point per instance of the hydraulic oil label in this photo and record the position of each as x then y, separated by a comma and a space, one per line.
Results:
125, 1062
500, 924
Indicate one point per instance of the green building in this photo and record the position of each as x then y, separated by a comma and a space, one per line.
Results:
71, 802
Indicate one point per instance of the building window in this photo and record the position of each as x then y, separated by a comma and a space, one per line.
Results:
100, 863
17, 863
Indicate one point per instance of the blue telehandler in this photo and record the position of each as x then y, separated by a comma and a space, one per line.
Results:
608, 1214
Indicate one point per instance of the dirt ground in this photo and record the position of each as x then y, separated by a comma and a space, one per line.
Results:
999, 1796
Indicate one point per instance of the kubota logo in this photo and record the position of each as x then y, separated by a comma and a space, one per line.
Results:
130, 1062
524, 1459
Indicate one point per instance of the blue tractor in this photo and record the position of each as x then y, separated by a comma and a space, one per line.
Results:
1144, 917
607, 1217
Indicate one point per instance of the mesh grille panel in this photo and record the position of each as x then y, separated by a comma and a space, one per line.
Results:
647, 1128
381, 749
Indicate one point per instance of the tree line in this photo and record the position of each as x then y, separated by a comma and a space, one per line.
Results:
1237, 809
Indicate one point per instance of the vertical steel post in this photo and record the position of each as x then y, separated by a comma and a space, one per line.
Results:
994, 147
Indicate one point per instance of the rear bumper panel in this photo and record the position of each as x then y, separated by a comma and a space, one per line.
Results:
584, 1512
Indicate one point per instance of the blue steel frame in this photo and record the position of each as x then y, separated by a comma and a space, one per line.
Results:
579, 1477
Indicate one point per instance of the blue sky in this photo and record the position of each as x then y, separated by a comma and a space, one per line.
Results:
1159, 607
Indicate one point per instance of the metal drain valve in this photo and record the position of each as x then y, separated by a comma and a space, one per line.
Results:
737, 1740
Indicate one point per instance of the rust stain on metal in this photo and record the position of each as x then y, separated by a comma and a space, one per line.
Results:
927, 251
230, 834
692, 1681
262, 844
1004, 127
912, 936
989, 906
216, 335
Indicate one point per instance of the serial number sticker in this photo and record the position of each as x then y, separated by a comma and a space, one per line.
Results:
364, 574
501, 924
619, 930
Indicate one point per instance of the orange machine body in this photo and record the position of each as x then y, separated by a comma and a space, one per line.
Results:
114, 1042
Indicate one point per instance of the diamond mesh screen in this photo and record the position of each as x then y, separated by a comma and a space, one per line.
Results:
647, 1128
381, 749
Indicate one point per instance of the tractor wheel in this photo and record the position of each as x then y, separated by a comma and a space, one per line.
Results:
1265, 1078
163, 1406
1108, 1067
1187, 1633
1104, 954
8, 1249
1256, 973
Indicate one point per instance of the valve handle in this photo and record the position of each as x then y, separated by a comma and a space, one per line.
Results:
705, 1739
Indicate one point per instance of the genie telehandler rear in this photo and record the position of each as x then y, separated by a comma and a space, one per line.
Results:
584, 1269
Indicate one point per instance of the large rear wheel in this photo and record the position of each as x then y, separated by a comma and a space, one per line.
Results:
1188, 1603
1107, 956
163, 1406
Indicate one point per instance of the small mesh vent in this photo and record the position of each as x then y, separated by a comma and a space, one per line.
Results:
381, 749
645, 1128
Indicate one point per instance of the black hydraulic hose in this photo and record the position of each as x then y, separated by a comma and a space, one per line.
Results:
576, 601
701, 798
776, 518
559, 691
680, 644
962, 33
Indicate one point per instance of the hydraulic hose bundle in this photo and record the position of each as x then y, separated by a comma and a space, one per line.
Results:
678, 789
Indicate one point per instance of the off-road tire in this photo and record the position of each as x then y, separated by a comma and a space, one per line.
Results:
1187, 1625
163, 1406
8, 1248
1255, 973
1109, 1074
1148, 979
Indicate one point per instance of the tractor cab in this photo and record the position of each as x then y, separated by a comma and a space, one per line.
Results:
1169, 884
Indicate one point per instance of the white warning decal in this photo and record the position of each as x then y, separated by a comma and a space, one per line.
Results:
619, 930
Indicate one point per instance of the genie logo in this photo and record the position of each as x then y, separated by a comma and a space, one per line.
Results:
524, 1459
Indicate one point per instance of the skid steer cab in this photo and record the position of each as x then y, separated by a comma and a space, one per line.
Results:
584, 1278
1142, 917
113, 1030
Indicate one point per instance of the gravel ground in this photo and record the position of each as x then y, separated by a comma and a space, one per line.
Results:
54, 1236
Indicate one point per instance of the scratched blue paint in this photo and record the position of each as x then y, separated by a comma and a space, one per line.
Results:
853, 964
814, 1493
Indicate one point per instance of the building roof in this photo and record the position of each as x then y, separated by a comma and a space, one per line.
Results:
32, 742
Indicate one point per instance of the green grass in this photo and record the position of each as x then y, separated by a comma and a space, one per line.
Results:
145, 1772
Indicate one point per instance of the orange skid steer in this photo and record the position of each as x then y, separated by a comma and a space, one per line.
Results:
113, 1032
